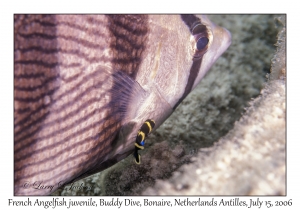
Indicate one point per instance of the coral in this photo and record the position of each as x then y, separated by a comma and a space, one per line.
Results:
278, 70
249, 160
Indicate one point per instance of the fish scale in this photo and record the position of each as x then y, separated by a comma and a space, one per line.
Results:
85, 84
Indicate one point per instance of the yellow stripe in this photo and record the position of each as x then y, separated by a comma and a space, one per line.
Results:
142, 134
139, 160
138, 146
149, 125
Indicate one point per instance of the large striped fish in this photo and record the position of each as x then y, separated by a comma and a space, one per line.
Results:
85, 84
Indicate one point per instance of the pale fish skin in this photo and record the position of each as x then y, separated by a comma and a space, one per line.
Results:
84, 85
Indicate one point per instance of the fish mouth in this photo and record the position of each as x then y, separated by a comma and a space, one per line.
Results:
222, 41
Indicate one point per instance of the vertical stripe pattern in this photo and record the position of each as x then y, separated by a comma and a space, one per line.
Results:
190, 20
64, 121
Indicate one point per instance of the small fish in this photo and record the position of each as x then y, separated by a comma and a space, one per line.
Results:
85, 85
146, 128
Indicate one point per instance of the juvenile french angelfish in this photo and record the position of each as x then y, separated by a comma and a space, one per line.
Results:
146, 128
84, 85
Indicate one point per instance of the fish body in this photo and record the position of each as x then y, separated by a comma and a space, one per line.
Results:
85, 84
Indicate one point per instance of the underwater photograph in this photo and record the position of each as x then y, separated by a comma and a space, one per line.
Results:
149, 104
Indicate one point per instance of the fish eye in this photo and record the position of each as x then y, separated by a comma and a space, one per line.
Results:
200, 34
201, 43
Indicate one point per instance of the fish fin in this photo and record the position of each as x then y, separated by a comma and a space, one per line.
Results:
137, 157
126, 94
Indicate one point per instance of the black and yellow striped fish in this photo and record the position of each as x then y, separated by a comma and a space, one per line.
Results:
84, 85
144, 131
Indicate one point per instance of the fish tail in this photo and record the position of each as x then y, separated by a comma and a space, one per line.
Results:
137, 157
